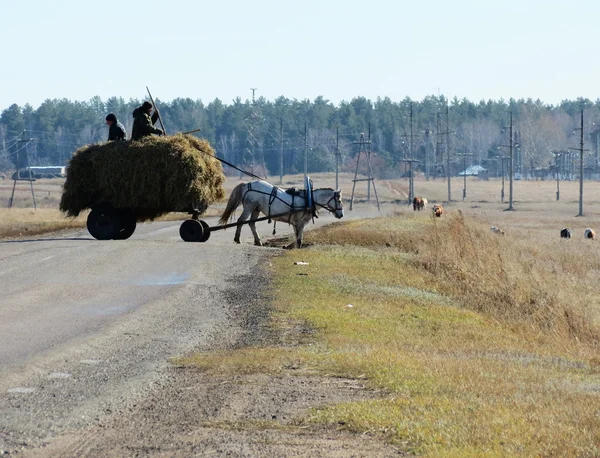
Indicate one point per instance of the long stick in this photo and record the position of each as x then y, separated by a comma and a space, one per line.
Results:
157, 112
191, 131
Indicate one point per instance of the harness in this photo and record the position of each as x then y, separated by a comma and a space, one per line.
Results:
307, 194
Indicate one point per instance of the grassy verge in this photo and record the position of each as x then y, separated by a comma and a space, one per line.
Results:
18, 222
478, 349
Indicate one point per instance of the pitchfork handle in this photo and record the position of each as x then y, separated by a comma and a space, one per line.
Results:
157, 112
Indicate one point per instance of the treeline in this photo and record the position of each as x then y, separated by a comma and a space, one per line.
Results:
256, 135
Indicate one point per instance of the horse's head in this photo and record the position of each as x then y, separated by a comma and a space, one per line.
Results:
339, 209
330, 200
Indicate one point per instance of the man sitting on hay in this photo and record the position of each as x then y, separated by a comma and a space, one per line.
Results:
143, 123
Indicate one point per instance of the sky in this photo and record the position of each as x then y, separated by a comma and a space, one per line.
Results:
339, 49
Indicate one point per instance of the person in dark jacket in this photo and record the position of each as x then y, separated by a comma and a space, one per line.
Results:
143, 123
116, 130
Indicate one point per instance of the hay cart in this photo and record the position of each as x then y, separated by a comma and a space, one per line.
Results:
125, 183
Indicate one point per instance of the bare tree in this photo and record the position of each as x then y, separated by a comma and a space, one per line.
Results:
540, 133
476, 137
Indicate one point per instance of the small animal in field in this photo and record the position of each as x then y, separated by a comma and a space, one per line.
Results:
438, 210
496, 230
590, 234
419, 203
565, 233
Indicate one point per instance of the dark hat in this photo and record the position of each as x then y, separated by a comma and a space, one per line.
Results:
146, 106
111, 117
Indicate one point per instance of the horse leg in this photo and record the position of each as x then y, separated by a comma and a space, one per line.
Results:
252, 225
299, 233
243, 217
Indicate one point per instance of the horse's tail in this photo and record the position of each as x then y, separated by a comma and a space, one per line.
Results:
235, 199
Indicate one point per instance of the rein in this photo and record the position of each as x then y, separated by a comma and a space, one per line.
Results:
293, 209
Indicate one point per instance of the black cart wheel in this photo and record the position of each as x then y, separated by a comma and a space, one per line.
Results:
104, 222
205, 231
191, 231
128, 224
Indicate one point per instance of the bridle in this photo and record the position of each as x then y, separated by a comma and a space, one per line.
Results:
327, 204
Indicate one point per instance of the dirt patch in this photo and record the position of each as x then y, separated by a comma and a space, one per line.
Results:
194, 413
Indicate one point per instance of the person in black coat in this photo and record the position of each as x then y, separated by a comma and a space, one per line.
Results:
116, 130
143, 123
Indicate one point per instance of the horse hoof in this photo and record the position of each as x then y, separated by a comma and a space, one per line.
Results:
236, 241
258, 244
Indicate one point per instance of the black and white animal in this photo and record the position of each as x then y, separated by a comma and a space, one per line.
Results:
565, 233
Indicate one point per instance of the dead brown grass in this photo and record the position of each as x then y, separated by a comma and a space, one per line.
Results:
19, 222
502, 277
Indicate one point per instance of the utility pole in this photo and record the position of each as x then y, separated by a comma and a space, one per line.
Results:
581, 166
519, 153
280, 150
581, 150
26, 141
464, 156
337, 157
557, 156
369, 166
362, 147
411, 131
502, 158
410, 160
511, 167
254, 138
427, 131
438, 143
411, 183
448, 154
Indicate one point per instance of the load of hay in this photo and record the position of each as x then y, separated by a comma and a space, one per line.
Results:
152, 176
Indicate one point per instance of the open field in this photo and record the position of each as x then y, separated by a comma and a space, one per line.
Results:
478, 344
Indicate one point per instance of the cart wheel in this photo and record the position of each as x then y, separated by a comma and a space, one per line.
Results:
104, 222
191, 231
128, 224
205, 231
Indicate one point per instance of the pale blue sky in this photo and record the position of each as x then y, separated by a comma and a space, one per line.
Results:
338, 49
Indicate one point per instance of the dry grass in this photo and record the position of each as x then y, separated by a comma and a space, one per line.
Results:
464, 331
503, 277
18, 222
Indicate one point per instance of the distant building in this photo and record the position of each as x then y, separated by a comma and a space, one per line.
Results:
473, 171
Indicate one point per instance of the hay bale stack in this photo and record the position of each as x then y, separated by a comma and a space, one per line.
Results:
153, 176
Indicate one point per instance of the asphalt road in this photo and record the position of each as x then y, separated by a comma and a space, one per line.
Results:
86, 325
